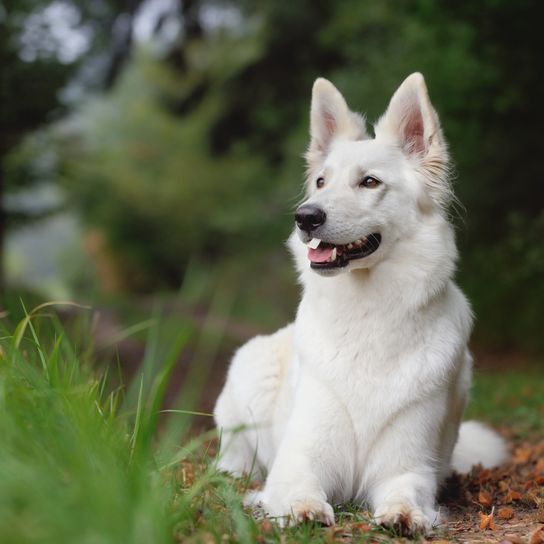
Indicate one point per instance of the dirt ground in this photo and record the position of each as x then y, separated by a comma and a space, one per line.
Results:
500, 505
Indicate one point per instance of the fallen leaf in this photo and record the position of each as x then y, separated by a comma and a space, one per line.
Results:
533, 497
505, 513
484, 476
522, 455
484, 498
266, 527
487, 522
512, 496
361, 527
538, 536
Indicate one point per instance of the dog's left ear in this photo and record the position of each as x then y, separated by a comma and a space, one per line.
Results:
330, 119
413, 124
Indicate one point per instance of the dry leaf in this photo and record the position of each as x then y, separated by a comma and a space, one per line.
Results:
538, 536
505, 513
533, 497
512, 496
484, 498
487, 522
361, 527
484, 476
522, 455
266, 527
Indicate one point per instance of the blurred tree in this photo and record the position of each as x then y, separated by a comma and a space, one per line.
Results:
43, 46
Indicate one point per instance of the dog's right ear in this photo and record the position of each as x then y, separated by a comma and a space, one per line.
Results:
330, 119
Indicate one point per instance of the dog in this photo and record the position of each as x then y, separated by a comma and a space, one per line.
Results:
361, 398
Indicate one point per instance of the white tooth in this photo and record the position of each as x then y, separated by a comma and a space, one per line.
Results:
314, 243
333, 256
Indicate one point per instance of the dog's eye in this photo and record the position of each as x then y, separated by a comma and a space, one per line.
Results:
319, 182
369, 182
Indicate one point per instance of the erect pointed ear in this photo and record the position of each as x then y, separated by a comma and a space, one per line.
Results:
330, 119
412, 122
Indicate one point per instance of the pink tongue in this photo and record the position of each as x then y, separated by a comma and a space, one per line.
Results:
319, 255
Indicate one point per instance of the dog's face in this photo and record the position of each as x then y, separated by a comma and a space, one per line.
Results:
364, 195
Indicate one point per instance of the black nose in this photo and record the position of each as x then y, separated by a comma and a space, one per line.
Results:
309, 217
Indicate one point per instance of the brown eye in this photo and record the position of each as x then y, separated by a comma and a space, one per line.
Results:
319, 182
369, 182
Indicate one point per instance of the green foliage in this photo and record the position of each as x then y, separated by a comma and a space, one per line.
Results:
147, 179
504, 280
36, 66
65, 463
79, 463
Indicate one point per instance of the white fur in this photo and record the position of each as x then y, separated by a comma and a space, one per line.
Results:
477, 444
361, 398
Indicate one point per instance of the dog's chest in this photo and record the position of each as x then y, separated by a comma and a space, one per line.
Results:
369, 356
346, 335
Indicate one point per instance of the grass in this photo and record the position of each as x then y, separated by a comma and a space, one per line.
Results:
79, 463
512, 400
83, 463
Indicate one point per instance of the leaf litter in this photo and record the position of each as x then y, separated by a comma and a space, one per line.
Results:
504, 504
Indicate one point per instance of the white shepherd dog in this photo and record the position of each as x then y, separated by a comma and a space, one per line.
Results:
361, 398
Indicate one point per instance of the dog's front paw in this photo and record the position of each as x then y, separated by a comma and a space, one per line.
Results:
405, 519
290, 512
311, 510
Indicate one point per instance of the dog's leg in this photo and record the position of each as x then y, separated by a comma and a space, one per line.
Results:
315, 460
237, 442
407, 463
244, 411
293, 492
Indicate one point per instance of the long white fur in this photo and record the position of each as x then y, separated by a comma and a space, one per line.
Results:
361, 397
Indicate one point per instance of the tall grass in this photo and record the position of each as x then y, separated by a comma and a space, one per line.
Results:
79, 462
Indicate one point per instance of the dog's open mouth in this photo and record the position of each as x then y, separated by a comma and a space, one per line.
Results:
324, 255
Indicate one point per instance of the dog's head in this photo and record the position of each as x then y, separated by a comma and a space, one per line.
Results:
365, 194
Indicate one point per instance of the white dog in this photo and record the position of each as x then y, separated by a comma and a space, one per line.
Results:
361, 398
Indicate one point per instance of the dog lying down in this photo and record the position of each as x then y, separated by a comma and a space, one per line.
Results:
361, 398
